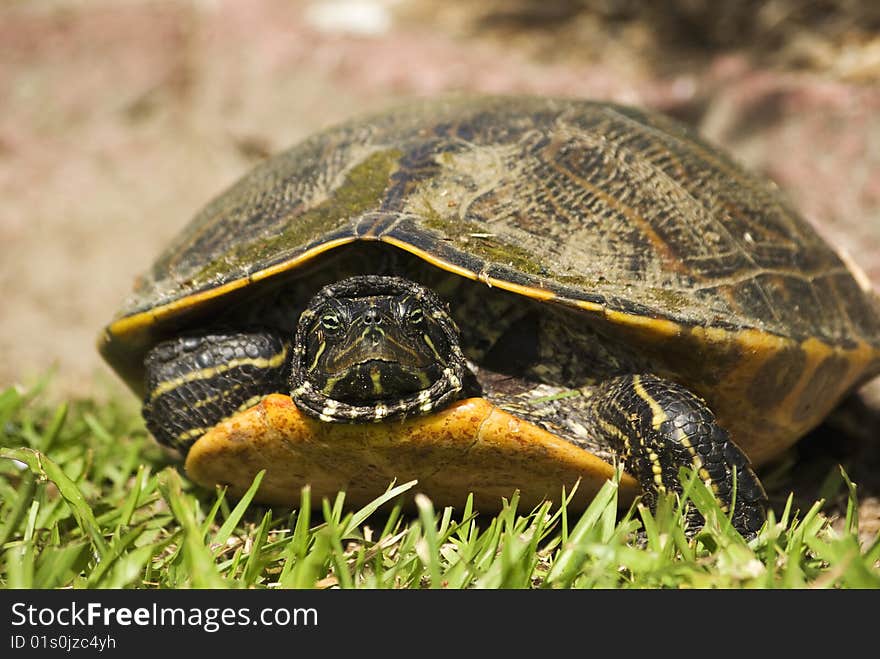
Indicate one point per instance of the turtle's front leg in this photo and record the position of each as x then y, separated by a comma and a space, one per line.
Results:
195, 381
658, 426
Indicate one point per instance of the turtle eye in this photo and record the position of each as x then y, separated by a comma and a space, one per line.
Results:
415, 317
414, 321
330, 322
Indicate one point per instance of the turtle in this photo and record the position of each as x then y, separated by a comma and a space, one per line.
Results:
490, 294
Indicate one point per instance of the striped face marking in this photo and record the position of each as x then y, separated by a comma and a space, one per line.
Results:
376, 378
377, 347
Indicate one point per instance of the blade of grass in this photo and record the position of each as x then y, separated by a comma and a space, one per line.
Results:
361, 515
98, 429
573, 552
202, 570
255, 561
116, 549
335, 512
24, 496
44, 468
465, 528
428, 548
11, 401
56, 566
235, 516
341, 570
131, 502
392, 523
846, 562
230, 567
131, 566
21, 557
47, 439
292, 574
852, 504
306, 572
208, 524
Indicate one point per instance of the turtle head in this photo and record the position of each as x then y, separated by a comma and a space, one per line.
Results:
369, 348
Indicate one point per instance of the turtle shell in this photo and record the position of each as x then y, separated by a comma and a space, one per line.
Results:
625, 216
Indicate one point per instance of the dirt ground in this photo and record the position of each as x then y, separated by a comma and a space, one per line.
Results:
118, 120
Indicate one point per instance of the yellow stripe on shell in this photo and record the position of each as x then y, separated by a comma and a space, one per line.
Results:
750, 339
528, 291
154, 315
757, 344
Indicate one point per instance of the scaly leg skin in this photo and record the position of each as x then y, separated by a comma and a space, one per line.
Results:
195, 381
658, 426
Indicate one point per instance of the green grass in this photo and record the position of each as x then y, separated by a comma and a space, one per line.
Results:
90, 501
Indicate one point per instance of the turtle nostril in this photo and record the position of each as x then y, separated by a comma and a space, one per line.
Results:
371, 316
